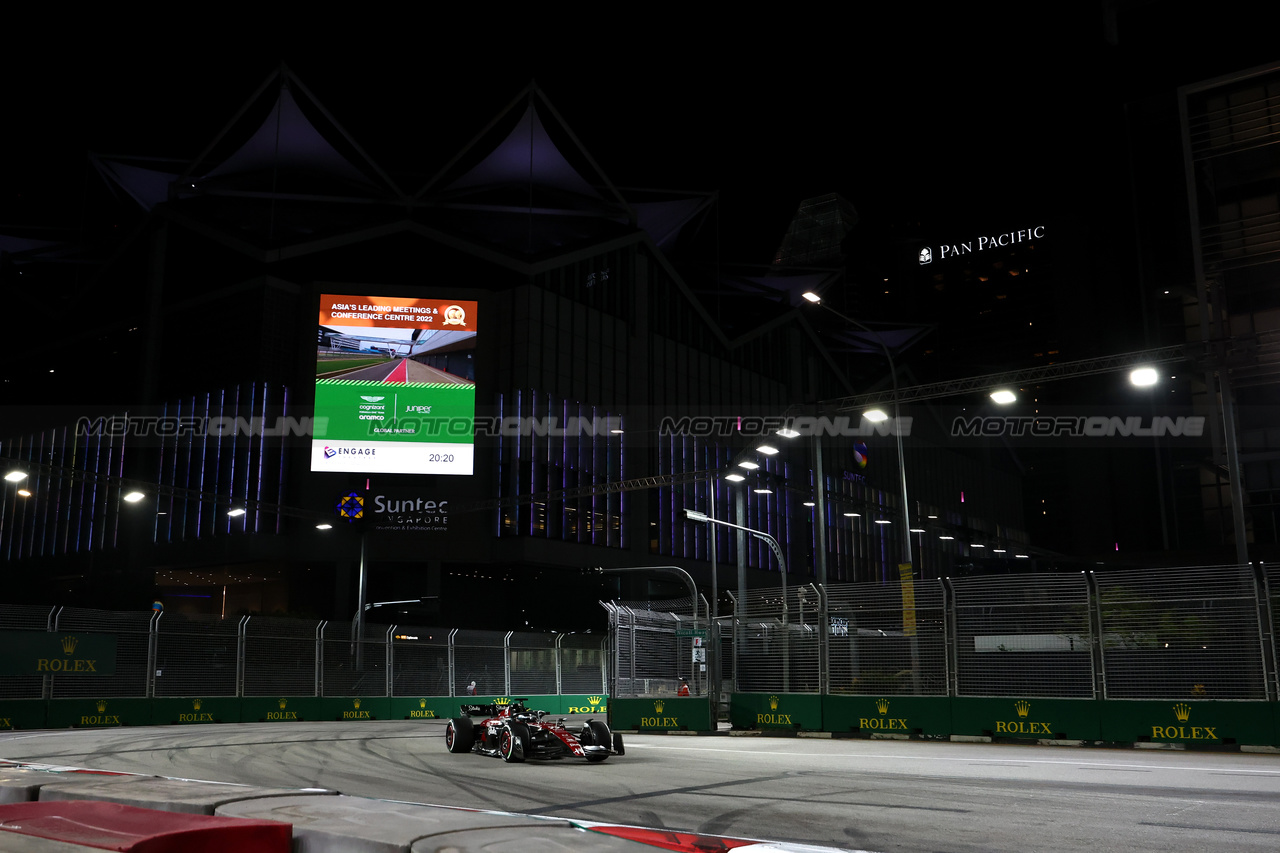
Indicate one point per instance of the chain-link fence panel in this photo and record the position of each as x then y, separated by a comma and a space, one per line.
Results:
133, 655
532, 660
1023, 635
583, 660
354, 665
653, 648
195, 655
1271, 579
24, 617
280, 656
480, 657
420, 661
1191, 633
883, 641
779, 641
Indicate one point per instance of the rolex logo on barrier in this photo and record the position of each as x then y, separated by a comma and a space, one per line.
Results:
282, 714
502, 700
422, 713
1023, 726
1182, 711
422, 703
659, 722
356, 714
356, 703
883, 722
592, 707
196, 704
773, 718
69, 644
100, 719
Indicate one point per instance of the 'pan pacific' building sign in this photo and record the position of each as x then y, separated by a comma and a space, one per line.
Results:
980, 243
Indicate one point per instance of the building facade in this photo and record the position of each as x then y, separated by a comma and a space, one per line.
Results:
617, 383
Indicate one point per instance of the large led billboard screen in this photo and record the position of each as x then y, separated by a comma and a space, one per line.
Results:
395, 385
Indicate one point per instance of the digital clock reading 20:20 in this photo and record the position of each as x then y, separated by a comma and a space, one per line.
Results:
440, 457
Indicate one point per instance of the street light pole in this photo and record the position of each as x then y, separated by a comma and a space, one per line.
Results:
695, 515
897, 426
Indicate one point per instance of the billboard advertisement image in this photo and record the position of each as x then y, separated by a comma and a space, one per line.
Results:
395, 385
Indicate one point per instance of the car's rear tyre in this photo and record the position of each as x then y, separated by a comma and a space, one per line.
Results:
459, 734
510, 744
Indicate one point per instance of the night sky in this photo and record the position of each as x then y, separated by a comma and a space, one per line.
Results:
915, 113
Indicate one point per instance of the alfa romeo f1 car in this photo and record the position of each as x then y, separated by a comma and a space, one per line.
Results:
514, 733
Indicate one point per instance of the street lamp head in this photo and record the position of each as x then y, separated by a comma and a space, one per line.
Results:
876, 415
812, 297
1003, 397
133, 497
1144, 376
734, 478
15, 476
694, 515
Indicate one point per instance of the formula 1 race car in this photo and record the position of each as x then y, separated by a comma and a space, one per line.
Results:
513, 733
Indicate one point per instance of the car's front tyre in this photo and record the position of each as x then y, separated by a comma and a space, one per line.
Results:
510, 745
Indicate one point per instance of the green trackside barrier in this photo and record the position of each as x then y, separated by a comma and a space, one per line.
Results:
86, 713
284, 709
1275, 722
691, 714
777, 711
355, 708
895, 715
23, 714
1031, 718
196, 709
1189, 722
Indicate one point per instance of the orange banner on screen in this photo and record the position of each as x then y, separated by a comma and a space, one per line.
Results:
395, 312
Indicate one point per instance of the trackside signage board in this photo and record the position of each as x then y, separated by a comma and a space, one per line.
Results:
395, 385
56, 653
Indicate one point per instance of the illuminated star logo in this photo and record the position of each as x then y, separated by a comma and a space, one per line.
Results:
350, 506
